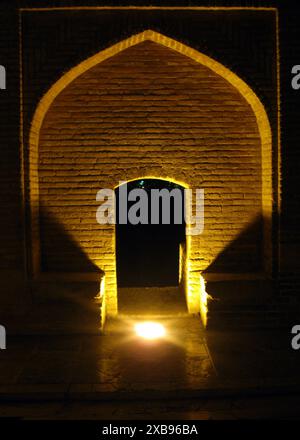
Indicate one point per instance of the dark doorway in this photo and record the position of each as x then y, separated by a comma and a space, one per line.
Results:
148, 254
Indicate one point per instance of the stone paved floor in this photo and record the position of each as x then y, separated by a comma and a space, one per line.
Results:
188, 359
192, 373
117, 360
79, 376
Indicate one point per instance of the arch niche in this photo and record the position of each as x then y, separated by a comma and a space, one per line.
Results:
58, 99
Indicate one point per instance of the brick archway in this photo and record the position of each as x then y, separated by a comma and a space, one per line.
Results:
237, 90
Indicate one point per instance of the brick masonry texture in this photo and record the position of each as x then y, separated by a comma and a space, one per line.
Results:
149, 111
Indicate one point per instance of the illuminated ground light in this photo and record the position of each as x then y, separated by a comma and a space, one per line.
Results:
150, 330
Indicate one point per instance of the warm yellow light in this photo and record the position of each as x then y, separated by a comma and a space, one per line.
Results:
150, 330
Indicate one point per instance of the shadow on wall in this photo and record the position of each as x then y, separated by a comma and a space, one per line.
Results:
63, 299
66, 273
240, 299
245, 251
59, 251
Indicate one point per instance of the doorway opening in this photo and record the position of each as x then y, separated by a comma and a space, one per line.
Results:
149, 247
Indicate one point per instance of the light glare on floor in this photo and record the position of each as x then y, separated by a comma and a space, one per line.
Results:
150, 330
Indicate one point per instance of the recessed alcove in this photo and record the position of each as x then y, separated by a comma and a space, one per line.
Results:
150, 107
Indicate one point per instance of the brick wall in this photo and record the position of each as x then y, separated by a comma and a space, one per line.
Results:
150, 111
55, 41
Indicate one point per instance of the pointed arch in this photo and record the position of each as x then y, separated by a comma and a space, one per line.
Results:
149, 35
215, 66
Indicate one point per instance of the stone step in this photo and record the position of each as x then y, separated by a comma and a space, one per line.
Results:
168, 300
